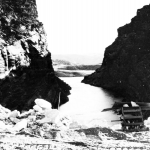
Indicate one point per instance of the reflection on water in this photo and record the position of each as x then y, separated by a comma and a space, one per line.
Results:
86, 103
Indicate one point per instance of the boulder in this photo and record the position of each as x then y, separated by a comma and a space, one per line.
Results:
43, 103
14, 120
51, 116
20, 125
37, 108
14, 114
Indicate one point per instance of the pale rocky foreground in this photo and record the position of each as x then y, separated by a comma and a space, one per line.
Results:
46, 128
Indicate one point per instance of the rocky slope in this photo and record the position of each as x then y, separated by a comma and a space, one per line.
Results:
125, 70
26, 69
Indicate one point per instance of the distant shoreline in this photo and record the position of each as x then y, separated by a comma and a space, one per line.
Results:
72, 73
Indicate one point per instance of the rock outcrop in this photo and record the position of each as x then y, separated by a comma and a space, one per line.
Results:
26, 69
125, 69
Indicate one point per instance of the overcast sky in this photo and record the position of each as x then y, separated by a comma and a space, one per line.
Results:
84, 26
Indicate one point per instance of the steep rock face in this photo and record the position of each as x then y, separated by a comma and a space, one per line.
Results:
126, 65
26, 70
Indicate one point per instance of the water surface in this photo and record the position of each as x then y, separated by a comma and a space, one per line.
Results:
86, 103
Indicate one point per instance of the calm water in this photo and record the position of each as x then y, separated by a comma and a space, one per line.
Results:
86, 103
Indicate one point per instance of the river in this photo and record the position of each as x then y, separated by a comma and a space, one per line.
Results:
86, 103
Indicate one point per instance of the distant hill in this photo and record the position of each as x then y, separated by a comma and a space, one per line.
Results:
81, 67
66, 65
68, 69
60, 62
69, 74
92, 59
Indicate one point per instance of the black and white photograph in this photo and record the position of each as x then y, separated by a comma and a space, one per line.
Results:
74, 74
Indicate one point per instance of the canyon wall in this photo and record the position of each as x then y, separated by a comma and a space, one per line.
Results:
26, 70
125, 69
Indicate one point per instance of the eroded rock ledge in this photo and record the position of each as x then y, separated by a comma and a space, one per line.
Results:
126, 65
26, 69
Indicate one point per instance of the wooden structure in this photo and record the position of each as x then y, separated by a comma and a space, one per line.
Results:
132, 119
119, 105
131, 116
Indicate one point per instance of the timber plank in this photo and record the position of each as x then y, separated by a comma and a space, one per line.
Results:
133, 124
132, 117
132, 111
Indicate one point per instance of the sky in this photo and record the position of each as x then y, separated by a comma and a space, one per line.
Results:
84, 26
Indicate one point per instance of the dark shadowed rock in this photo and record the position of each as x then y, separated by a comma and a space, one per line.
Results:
125, 70
26, 69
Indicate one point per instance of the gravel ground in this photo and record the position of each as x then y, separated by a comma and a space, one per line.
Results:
82, 139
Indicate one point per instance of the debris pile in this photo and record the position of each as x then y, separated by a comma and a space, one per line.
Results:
39, 120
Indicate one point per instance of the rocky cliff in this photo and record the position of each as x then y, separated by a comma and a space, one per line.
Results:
125, 70
26, 69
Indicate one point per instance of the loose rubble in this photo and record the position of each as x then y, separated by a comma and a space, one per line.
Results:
40, 114
45, 128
